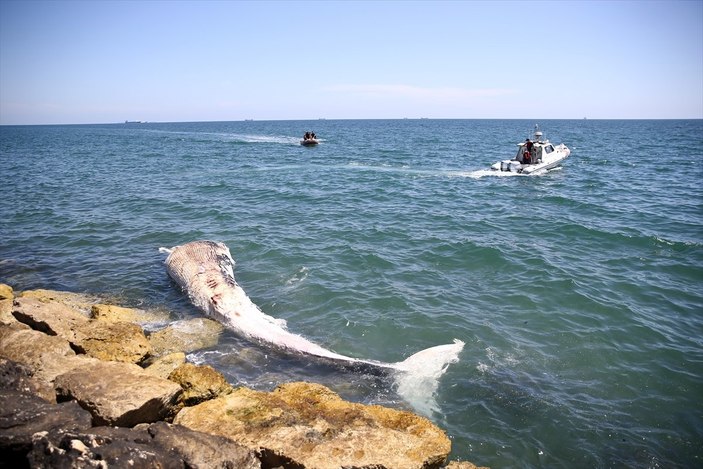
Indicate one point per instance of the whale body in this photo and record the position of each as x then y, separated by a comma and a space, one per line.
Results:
205, 272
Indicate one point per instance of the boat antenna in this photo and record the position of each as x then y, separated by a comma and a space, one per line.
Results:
538, 133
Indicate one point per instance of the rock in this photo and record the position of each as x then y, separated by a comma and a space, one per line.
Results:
159, 445
118, 341
78, 302
104, 312
101, 447
202, 450
6, 316
23, 414
48, 316
186, 336
47, 356
199, 383
17, 377
6, 292
115, 341
6, 297
120, 394
165, 364
309, 425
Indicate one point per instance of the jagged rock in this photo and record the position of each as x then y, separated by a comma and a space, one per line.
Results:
199, 383
105, 312
101, 447
47, 356
115, 341
78, 302
6, 316
48, 316
186, 336
202, 450
18, 377
159, 445
6, 297
23, 414
165, 364
6, 292
309, 425
119, 394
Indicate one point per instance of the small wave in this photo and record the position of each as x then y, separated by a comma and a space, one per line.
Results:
298, 278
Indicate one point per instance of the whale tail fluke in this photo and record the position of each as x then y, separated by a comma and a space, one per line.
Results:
417, 377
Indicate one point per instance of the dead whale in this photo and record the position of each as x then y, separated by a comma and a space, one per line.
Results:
204, 270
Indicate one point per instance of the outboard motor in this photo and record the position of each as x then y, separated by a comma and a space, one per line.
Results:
511, 165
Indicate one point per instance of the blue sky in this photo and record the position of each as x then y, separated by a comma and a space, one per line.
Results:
108, 61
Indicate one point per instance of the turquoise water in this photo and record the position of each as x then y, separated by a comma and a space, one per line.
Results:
578, 292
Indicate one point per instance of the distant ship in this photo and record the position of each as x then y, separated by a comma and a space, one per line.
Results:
135, 122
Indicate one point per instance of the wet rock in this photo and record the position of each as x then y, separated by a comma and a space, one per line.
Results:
309, 425
186, 336
17, 377
165, 364
120, 394
199, 383
23, 414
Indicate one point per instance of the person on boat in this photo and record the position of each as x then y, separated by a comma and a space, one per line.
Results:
306, 136
527, 155
312, 135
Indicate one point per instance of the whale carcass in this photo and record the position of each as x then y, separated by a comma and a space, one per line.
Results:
204, 270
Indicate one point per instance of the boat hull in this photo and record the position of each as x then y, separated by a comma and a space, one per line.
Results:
309, 142
548, 162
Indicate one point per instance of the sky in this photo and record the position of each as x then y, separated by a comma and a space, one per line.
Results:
72, 62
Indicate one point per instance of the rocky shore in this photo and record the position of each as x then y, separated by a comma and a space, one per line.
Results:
83, 385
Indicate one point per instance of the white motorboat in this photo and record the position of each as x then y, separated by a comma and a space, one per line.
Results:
309, 141
534, 156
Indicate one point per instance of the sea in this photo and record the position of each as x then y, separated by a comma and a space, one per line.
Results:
578, 292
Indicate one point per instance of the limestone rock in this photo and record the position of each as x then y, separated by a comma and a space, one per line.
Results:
199, 383
17, 377
6, 292
202, 450
309, 425
6, 316
78, 302
48, 316
6, 298
159, 445
165, 364
23, 414
105, 312
115, 341
47, 356
101, 447
120, 394
186, 336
